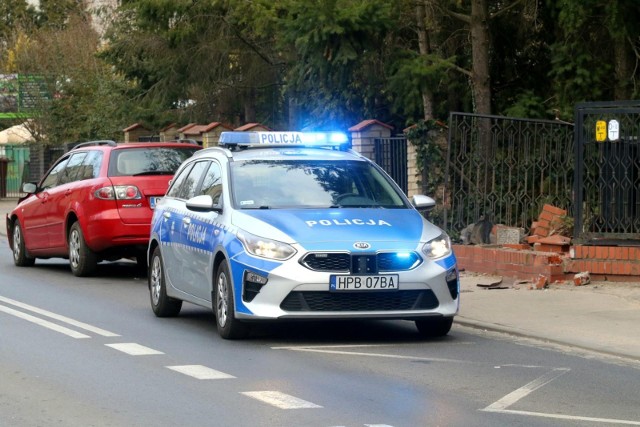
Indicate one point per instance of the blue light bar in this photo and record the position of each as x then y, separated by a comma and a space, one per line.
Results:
309, 139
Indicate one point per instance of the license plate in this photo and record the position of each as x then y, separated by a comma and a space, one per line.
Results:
153, 201
384, 282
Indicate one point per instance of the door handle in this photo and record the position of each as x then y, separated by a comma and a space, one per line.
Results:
166, 214
67, 193
186, 220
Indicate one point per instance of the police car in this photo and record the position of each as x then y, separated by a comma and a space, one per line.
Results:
290, 225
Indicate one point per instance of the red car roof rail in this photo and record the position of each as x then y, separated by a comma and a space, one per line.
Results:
101, 142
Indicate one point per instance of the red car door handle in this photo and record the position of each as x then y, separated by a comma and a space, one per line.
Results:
68, 193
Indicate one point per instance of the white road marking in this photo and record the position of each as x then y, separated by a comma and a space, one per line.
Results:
43, 323
328, 349
134, 349
280, 400
59, 317
525, 390
200, 372
567, 417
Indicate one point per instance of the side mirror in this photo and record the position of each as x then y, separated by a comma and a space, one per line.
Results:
423, 203
29, 187
203, 203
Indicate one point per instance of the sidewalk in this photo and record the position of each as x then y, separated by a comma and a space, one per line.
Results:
602, 316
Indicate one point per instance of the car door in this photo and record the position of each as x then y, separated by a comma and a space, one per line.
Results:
172, 210
60, 199
192, 234
35, 214
202, 234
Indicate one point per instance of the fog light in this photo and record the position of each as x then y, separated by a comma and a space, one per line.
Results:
453, 283
252, 284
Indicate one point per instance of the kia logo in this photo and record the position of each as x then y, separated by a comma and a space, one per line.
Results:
361, 245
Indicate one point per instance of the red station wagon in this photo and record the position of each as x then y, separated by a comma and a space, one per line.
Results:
95, 203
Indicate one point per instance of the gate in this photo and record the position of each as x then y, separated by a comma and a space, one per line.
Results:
16, 169
505, 169
607, 175
391, 155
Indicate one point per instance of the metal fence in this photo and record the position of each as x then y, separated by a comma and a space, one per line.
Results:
505, 169
391, 155
607, 179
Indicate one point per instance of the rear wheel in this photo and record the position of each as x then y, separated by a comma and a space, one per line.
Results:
83, 260
223, 305
20, 257
434, 327
162, 305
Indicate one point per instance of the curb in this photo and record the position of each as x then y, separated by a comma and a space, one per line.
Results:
492, 327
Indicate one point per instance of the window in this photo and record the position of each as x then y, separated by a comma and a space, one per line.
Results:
91, 165
74, 166
148, 161
188, 188
212, 183
178, 181
51, 180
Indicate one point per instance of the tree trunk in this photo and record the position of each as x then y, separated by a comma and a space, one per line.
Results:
480, 44
623, 70
423, 44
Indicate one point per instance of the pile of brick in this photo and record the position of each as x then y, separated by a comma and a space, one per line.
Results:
546, 231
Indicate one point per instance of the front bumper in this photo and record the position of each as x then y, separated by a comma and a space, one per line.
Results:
295, 292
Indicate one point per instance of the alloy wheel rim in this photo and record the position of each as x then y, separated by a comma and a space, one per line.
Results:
17, 238
223, 304
156, 273
74, 248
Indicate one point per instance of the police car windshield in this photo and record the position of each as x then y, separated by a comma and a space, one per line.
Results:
311, 184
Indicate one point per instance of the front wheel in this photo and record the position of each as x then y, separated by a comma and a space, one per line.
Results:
20, 257
434, 327
161, 304
83, 260
223, 306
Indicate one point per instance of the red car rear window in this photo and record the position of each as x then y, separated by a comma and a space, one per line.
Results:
148, 160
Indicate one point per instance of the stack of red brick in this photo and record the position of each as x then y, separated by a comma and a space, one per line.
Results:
546, 231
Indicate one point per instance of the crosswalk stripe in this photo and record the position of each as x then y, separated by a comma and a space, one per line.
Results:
200, 372
280, 400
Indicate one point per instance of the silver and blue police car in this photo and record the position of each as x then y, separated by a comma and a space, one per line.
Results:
290, 225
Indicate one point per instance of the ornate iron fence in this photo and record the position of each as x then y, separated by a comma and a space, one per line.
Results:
505, 169
607, 181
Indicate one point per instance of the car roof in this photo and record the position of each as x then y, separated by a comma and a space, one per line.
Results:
106, 145
281, 153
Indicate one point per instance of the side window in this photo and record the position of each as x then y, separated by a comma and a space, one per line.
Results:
178, 181
188, 188
212, 183
91, 165
51, 180
74, 166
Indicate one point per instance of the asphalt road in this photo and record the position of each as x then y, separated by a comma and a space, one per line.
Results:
89, 352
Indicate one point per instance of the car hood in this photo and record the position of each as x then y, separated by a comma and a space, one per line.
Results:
306, 226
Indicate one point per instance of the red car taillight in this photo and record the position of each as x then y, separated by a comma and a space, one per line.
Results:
118, 192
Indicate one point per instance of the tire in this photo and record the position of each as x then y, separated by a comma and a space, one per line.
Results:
161, 304
20, 257
83, 260
223, 306
434, 327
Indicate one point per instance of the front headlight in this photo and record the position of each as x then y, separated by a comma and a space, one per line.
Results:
266, 248
438, 247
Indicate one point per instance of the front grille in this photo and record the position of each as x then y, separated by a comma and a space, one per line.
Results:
360, 301
327, 261
361, 263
